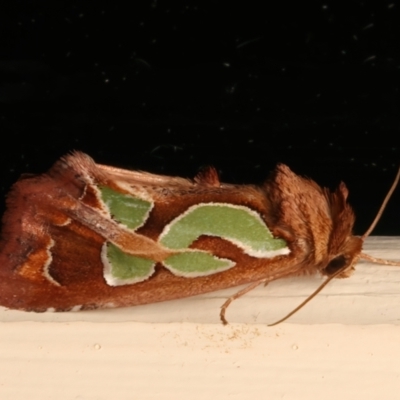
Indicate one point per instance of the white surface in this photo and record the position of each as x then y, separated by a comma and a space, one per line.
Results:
334, 348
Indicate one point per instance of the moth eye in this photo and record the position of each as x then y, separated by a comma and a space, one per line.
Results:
335, 264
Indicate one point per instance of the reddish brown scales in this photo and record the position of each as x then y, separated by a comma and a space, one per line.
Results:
56, 219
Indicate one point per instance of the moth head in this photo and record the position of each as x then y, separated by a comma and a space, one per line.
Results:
346, 258
318, 221
344, 248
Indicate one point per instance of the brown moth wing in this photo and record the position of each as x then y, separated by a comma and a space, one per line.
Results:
54, 228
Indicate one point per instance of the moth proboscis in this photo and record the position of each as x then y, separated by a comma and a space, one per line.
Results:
86, 236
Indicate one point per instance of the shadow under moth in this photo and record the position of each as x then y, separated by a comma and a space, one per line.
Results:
85, 236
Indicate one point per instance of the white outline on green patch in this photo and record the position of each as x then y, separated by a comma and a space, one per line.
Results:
194, 263
125, 269
238, 224
130, 211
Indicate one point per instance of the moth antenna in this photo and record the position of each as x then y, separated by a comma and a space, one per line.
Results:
379, 260
383, 206
312, 295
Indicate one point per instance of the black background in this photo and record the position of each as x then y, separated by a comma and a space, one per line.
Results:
171, 86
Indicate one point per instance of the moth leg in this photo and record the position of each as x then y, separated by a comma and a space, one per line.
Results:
240, 293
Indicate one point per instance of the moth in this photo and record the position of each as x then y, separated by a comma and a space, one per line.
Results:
85, 236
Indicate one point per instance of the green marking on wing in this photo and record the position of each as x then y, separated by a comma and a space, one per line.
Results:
192, 264
128, 210
125, 267
238, 224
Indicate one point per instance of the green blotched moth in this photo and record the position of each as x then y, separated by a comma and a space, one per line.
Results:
86, 236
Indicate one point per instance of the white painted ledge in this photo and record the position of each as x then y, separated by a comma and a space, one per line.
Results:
344, 344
